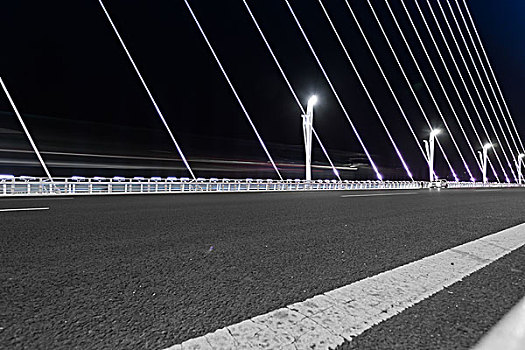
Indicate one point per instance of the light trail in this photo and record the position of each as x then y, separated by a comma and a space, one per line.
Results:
464, 83
379, 176
398, 152
23, 209
406, 79
26, 131
453, 83
428, 87
485, 90
336, 173
493, 75
233, 89
147, 90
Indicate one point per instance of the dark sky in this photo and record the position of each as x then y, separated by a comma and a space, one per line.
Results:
72, 81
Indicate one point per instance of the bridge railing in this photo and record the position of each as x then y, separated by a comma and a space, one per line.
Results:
77, 185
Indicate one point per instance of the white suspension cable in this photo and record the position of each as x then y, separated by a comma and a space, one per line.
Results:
233, 89
452, 81
465, 85
26, 131
406, 79
379, 176
497, 84
398, 152
486, 93
442, 88
147, 90
429, 90
336, 173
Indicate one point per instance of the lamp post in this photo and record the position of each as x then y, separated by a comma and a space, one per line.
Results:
483, 157
520, 166
429, 147
308, 119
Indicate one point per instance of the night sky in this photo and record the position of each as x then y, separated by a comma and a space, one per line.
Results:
79, 94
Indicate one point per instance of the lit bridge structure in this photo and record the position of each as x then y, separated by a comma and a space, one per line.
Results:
498, 150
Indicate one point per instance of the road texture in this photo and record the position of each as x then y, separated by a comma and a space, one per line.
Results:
455, 318
149, 271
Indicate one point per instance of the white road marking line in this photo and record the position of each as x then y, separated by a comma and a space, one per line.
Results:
377, 194
23, 209
509, 333
326, 320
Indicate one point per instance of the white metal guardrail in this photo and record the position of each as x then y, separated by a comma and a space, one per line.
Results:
77, 185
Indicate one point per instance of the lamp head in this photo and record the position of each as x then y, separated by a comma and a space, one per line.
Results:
487, 146
435, 132
522, 155
312, 100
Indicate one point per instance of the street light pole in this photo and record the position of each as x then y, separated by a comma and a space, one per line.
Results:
308, 120
520, 166
483, 157
429, 147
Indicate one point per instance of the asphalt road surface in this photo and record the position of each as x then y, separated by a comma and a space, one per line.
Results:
149, 271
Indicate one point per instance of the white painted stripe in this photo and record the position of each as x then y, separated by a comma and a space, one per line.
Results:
377, 194
23, 209
326, 320
509, 333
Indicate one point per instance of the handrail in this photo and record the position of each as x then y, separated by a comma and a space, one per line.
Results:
79, 185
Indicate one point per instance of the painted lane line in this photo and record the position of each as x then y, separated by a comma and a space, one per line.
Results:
376, 194
509, 333
327, 320
23, 209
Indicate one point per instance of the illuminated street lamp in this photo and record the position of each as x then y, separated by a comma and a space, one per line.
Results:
521, 163
308, 120
429, 147
483, 157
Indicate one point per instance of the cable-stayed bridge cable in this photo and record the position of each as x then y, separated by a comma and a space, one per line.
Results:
494, 76
147, 90
336, 173
378, 175
466, 88
453, 84
442, 88
486, 93
233, 89
26, 131
406, 79
398, 152
428, 88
